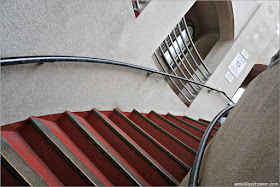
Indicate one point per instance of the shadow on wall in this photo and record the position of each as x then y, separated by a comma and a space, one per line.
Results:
255, 71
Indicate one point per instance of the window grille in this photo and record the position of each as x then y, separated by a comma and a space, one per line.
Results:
179, 56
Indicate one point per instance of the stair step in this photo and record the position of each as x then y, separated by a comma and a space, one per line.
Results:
23, 149
100, 148
15, 164
198, 124
80, 159
96, 148
106, 113
218, 125
126, 147
204, 121
162, 156
69, 152
188, 127
182, 152
80, 114
44, 148
185, 125
180, 133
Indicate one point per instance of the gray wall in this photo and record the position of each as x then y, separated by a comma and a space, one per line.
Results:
246, 147
100, 29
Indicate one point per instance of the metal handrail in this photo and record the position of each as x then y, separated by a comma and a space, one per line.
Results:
193, 181
43, 59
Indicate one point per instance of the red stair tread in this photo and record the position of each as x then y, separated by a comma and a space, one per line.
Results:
145, 114
204, 121
92, 152
52, 117
186, 127
138, 163
126, 113
196, 132
174, 131
106, 113
168, 163
74, 149
51, 157
14, 126
186, 156
109, 146
207, 123
30, 157
81, 114
198, 125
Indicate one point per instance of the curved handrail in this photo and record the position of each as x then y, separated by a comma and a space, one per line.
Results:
43, 59
193, 181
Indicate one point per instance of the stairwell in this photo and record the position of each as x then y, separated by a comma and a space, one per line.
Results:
101, 148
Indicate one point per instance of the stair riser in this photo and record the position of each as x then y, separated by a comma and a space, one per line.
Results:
183, 154
92, 152
162, 158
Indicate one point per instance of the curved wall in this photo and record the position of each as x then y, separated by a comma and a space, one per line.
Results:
246, 147
99, 29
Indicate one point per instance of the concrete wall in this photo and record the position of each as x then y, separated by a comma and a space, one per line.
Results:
254, 33
246, 147
101, 29
243, 12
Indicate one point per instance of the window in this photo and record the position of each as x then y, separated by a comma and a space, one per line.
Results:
178, 55
176, 41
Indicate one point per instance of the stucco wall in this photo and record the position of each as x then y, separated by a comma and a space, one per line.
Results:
258, 33
243, 11
100, 29
246, 147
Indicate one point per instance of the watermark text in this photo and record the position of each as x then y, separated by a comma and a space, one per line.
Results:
256, 184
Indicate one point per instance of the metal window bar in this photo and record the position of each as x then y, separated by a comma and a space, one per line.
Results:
175, 61
137, 6
161, 50
187, 38
189, 52
182, 62
180, 91
180, 41
183, 54
175, 51
188, 34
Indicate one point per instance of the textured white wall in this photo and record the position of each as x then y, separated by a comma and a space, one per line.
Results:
243, 11
255, 37
100, 29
